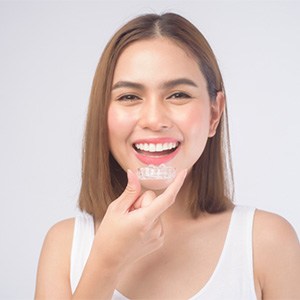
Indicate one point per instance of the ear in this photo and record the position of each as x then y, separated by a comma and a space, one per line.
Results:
217, 109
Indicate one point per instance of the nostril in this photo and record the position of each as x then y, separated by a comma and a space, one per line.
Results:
155, 122
155, 116
155, 126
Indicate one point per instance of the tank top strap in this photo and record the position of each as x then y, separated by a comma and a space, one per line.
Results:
240, 244
83, 238
233, 276
239, 253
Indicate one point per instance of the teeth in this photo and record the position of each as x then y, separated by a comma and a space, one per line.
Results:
159, 147
152, 148
156, 147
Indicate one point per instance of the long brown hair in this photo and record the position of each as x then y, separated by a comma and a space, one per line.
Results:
103, 180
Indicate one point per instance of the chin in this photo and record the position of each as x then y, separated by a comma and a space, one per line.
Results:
155, 184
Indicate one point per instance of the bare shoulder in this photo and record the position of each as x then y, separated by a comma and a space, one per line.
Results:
58, 240
54, 262
271, 228
61, 231
276, 256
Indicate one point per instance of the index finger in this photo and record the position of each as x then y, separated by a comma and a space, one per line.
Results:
166, 199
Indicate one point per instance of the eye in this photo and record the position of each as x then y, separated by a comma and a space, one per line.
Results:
179, 95
129, 98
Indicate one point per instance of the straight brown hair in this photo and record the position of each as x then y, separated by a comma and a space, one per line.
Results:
103, 180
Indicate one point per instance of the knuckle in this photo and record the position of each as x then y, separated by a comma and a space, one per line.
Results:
130, 189
150, 194
143, 221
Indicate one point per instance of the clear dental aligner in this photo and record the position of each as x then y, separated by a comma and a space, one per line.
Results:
151, 172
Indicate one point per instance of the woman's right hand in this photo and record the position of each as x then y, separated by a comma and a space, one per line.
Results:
131, 227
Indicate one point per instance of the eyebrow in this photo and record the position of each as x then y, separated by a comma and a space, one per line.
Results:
180, 81
165, 85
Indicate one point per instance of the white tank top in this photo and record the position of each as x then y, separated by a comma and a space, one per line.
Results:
232, 278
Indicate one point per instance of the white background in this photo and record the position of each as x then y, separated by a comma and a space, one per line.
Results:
48, 55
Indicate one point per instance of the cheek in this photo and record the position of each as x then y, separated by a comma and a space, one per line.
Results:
196, 127
196, 122
112, 119
115, 123
119, 125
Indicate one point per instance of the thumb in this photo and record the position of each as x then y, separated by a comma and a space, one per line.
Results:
131, 192
133, 184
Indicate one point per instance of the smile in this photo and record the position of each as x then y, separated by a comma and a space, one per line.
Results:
156, 153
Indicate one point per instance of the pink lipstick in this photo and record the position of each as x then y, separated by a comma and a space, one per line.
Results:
156, 151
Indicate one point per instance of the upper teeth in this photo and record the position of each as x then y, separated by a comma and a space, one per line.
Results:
156, 147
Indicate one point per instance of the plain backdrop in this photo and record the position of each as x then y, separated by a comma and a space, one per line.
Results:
48, 54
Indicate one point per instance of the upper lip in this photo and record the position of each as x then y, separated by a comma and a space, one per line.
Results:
156, 140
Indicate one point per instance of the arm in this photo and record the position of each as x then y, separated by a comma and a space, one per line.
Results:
53, 276
276, 257
54, 264
130, 229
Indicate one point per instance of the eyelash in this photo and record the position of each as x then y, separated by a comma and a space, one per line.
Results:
179, 95
129, 97
132, 97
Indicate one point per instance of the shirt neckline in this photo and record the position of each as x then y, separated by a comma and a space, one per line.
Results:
218, 266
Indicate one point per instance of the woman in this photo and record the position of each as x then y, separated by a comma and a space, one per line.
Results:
158, 98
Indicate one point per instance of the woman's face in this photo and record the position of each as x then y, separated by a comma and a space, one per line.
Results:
160, 111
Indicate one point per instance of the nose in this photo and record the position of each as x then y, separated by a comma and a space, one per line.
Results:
155, 115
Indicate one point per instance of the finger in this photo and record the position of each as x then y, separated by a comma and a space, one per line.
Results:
147, 198
144, 200
167, 198
131, 192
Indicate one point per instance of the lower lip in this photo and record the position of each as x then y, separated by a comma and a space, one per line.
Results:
156, 160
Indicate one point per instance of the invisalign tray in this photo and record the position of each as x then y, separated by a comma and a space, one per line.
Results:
156, 172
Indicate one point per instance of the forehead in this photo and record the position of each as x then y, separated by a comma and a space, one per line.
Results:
156, 59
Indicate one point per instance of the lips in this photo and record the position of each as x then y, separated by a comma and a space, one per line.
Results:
156, 151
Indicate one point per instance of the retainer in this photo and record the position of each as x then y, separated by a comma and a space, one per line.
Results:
156, 172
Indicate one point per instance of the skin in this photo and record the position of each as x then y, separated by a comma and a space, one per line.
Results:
156, 109
147, 226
